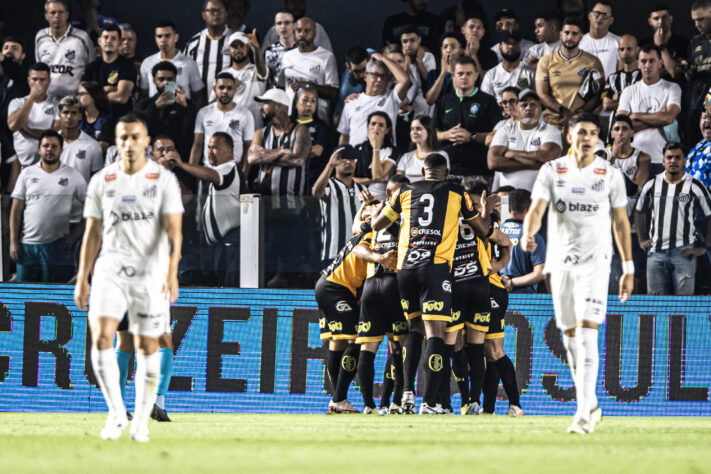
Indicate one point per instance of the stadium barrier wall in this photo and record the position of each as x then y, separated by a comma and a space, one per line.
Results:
258, 351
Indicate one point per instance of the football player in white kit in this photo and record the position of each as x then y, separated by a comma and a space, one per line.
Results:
585, 196
133, 213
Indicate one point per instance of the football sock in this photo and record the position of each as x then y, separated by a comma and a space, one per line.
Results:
434, 362
349, 363
590, 362
333, 367
411, 359
491, 387
388, 383
571, 352
166, 372
445, 394
460, 367
106, 372
508, 377
122, 358
397, 374
147, 376
366, 375
475, 359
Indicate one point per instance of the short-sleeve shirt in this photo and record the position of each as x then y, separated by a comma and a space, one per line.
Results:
221, 212
41, 117
522, 262
699, 57
249, 85
84, 155
513, 137
132, 208
537, 51
354, 119
238, 122
497, 79
411, 165
430, 213
188, 74
52, 202
66, 57
317, 66
641, 98
109, 74
580, 204
698, 162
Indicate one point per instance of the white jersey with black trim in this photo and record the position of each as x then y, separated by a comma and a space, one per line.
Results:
134, 243
580, 204
67, 58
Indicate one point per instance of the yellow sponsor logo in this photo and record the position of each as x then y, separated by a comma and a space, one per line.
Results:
348, 363
435, 362
363, 327
414, 232
400, 326
482, 318
502, 324
335, 326
322, 323
113, 78
456, 315
405, 305
430, 306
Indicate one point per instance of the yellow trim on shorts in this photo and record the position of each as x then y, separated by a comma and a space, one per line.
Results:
496, 335
477, 327
414, 315
456, 328
340, 337
437, 317
396, 337
361, 340
325, 335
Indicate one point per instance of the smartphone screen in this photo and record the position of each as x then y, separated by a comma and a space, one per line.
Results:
171, 87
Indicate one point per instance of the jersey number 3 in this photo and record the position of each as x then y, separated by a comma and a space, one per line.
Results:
428, 201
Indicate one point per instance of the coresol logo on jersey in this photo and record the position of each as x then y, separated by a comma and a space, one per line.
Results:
468, 201
343, 306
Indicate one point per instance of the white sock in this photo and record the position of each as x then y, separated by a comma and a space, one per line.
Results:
579, 377
160, 401
147, 375
106, 371
592, 362
571, 352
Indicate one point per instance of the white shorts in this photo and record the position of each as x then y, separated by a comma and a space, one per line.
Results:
147, 307
580, 294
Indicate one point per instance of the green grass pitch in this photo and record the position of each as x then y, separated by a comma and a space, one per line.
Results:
198, 443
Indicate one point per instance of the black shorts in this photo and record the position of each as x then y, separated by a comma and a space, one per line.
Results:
471, 305
426, 290
380, 310
123, 325
499, 304
339, 310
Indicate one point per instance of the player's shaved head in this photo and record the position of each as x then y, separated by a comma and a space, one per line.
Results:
305, 30
435, 167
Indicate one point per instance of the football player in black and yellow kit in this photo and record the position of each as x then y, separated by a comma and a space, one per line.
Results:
337, 297
380, 310
429, 211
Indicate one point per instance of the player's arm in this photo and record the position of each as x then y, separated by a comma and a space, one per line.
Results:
481, 222
532, 224
658, 119
364, 252
621, 231
174, 229
300, 150
548, 151
401, 76
389, 214
522, 281
89, 250
502, 240
202, 173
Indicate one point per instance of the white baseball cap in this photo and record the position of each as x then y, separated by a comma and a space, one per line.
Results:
275, 95
236, 36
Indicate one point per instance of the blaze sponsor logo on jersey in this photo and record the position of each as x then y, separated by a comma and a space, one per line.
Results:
468, 201
600, 171
110, 177
343, 306
561, 206
130, 216
432, 305
152, 176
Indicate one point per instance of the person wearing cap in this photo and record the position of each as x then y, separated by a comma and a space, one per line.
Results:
547, 30
520, 148
600, 41
80, 150
310, 64
250, 71
511, 71
569, 80
166, 36
507, 20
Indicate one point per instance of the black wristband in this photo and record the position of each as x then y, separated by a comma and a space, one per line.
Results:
366, 227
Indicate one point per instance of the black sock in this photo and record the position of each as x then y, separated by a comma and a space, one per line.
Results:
491, 386
349, 363
475, 359
508, 377
434, 363
411, 359
333, 366
445, 394
366, 375
388, 383
460, 367
397, 374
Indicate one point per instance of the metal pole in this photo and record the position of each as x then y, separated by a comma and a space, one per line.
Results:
251, 261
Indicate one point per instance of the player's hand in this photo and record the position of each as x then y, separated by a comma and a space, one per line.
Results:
389, 259
490, 203
252, 39
528, 243
376, 139
37, 90
298, 85
170, 287
366, 197
81, 293
626, 287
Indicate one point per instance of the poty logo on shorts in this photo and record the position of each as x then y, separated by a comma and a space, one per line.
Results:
335, 326
342, 306
447, 286
483, 317
405, 304
400, 326
456, 315
364, 327
430, 306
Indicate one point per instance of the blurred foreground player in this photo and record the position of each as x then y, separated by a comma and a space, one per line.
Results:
585, 195
137, 202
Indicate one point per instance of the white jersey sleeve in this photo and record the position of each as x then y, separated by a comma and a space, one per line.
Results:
551, 135
487, 84
200, 120
92, 205
172, 202
144, 77
193, 75
344, 124
248, 127
20, 186
625, 100
544, 181
618, 191
331, 72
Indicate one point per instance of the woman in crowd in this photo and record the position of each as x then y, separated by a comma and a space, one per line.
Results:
375, 155
423, 136
303, 111
96, 119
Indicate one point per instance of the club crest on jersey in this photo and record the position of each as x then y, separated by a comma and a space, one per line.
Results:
64, 182
683, 198
600, 171
561, 169
110, 177
468, 201
581, 71
70, 55
152, 176
474, 110
150, 192
382, 101
599, 186
113, 78
315, 69
81, 154
49, 111
110, 193
234, 124
536, 141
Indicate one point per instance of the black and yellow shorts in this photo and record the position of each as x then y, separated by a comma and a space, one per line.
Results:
380, 310
339, 310
471, 305
499, 304
427, 290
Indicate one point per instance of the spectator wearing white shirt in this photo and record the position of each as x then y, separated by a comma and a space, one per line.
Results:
507, 104
46, 216
249, 70
599, 41
377, 97
423, 138
80, 151
511, 71
298, 9
29, 116
64, 48
652, 104
519, 149
166, 36
310, 64
547, 30
414, 103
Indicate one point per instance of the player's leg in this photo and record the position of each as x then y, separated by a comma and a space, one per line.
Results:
372, 325
165, 351
397, 336
450, 339
346, 374
335, 348
460, 369
396, 351
333, 361
366, 375
124, 349
491, 387
388, 386
495, 355
477, 317
409, 288
343, 326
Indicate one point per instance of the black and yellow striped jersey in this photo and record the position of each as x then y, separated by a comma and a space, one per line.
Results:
382, 242
429, 212
347, 269
494, 251
471, 260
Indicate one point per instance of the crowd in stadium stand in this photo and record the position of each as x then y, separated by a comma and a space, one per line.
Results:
232, 110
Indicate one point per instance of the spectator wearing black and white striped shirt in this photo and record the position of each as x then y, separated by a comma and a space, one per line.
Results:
672, 198
208, 47
627, 49
339, 200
